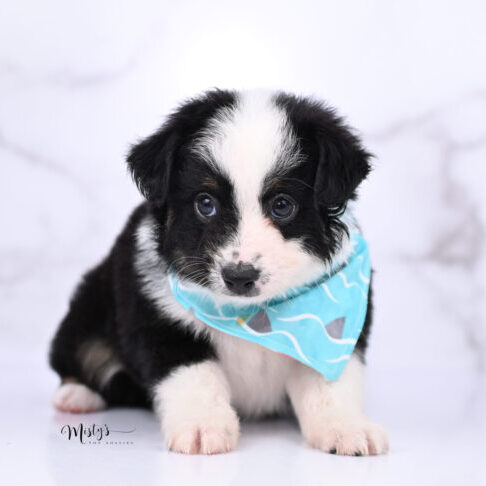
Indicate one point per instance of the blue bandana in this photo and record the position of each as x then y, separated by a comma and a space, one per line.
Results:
317, 324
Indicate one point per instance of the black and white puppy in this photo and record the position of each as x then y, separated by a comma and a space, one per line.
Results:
247, 195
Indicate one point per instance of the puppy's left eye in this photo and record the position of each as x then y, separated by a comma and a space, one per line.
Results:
205, 205
283, 208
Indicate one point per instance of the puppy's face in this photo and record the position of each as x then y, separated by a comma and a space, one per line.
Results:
249, 191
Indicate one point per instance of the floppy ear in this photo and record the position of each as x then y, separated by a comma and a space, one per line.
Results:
150, 163
343, 165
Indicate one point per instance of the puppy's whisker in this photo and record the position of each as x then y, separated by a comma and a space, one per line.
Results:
188, 258
185, 267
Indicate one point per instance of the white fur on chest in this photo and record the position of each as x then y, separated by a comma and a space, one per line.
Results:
256, 375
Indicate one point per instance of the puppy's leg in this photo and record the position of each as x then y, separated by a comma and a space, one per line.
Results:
330, 413
83, 324
193, 405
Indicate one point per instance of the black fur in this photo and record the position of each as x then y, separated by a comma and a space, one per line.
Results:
152, 160
109, 305
335, 164
164, 164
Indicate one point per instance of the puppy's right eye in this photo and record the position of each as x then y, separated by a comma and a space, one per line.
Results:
205, 206
283, 208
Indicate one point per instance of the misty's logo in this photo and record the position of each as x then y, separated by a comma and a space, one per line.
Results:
92, 434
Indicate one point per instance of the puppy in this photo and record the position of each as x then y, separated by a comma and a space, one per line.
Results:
247, 195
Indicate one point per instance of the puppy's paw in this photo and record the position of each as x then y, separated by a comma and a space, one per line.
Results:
77, 398
210, 434
348, 436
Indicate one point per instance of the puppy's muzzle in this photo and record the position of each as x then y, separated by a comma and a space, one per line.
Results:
240, 278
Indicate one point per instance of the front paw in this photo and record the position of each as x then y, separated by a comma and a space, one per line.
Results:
348, 436
207, 434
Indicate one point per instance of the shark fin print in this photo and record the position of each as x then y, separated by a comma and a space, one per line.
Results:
260, 322
335, 328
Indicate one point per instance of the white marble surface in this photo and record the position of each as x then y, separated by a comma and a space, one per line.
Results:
80, 81
33, 449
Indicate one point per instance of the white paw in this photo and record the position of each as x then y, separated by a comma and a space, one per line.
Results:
210, 434
194, 408
348, 436
77, 398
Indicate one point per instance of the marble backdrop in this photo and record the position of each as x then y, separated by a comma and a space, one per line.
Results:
80, 81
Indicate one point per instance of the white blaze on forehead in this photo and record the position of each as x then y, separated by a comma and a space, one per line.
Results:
248, 142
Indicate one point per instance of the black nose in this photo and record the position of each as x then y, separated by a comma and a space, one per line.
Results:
241, 278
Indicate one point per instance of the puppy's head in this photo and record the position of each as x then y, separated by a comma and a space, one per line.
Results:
250, 191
